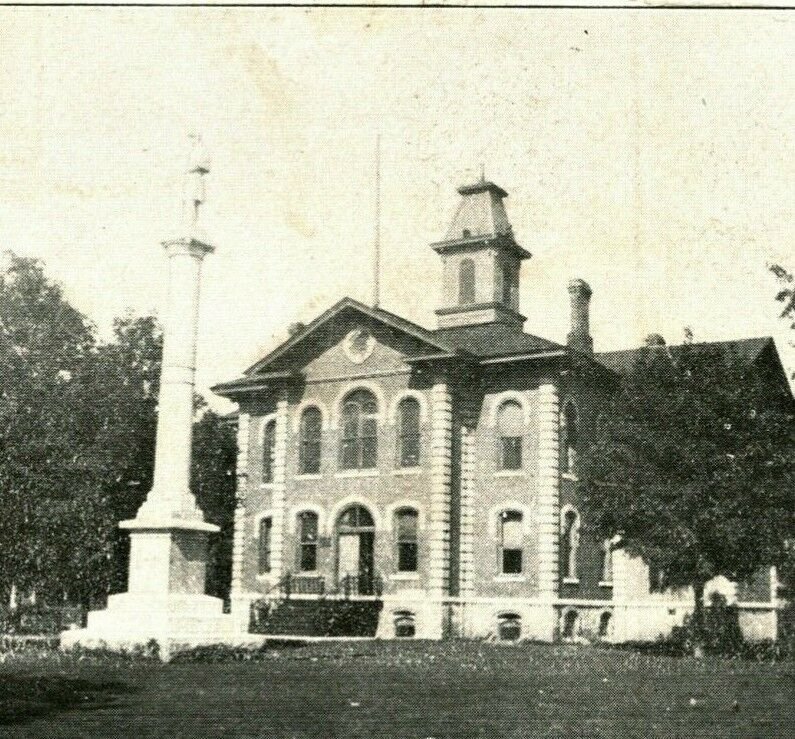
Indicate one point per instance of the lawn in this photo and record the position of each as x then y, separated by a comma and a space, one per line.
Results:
416, 689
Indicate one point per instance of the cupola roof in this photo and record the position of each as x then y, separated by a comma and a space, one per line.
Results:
480, 217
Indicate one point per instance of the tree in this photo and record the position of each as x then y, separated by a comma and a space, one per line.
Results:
77, 429
786, 293
44, 343
691, 467
213, 483
118, 406
786, 296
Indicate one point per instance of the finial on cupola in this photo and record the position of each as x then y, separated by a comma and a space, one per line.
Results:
198, 168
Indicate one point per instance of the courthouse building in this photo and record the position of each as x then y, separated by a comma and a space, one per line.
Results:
434, 470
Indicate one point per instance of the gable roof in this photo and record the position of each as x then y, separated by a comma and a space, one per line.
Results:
385, 317
747, 350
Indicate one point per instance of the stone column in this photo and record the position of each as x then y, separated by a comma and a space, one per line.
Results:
170, 496
280, 561
439, 519
239, 602
548, 504
467, 512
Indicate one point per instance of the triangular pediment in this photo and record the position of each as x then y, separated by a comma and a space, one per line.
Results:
351, 333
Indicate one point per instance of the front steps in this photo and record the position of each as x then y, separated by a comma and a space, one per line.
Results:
319, 618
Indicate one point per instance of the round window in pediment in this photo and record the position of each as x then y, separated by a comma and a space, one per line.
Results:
359, 345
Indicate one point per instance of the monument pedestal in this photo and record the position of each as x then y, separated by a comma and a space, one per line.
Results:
165, 600
168, 538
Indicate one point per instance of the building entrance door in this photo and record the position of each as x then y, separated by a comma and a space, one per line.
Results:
355, 551
349, 555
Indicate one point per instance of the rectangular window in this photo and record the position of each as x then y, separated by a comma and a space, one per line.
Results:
511, 453
511, 543
407, 540
308, 561
265, 529
512, 561
307, 557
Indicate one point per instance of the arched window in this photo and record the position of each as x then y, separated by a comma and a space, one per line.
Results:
607, 561
307, 552
356, 517
404, 624
310, 435
466, 282
409, 433
510, 426
509, 627
569, 629
268, 449
265, 530
570, 541
406, 530
570, 438
359, 448
511, 542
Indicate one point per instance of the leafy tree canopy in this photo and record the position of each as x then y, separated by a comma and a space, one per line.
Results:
692, 465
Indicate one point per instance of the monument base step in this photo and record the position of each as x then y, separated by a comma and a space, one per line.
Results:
133, 620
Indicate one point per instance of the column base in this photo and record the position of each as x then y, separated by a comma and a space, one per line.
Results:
165, 601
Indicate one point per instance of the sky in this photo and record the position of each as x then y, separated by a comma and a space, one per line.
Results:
648, 152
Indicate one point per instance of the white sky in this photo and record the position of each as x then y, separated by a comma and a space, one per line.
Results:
652, 156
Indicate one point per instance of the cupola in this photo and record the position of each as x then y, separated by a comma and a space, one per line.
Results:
480, 261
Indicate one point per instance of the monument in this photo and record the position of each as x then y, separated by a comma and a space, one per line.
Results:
165, 600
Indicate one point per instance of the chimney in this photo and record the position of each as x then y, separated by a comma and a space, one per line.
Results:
579, 337
295, 328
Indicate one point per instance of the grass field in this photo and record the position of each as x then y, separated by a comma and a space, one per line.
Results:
417, 689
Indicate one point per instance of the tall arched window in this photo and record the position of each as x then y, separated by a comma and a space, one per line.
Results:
510, 426
409, 433
307, 553
466, 282
570, 541
310, 436
359, 448
406, 529
268, 449
570, 437
511, 542
265, 530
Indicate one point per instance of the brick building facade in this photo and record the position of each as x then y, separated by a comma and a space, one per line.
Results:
434, 470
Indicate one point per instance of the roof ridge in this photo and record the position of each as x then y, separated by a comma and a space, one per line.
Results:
694, 343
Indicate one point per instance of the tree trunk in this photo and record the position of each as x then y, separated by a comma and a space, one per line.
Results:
699, 637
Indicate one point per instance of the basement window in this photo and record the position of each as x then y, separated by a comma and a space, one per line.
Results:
509, 627
405, 627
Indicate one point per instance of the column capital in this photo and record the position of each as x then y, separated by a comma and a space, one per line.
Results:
189, 246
